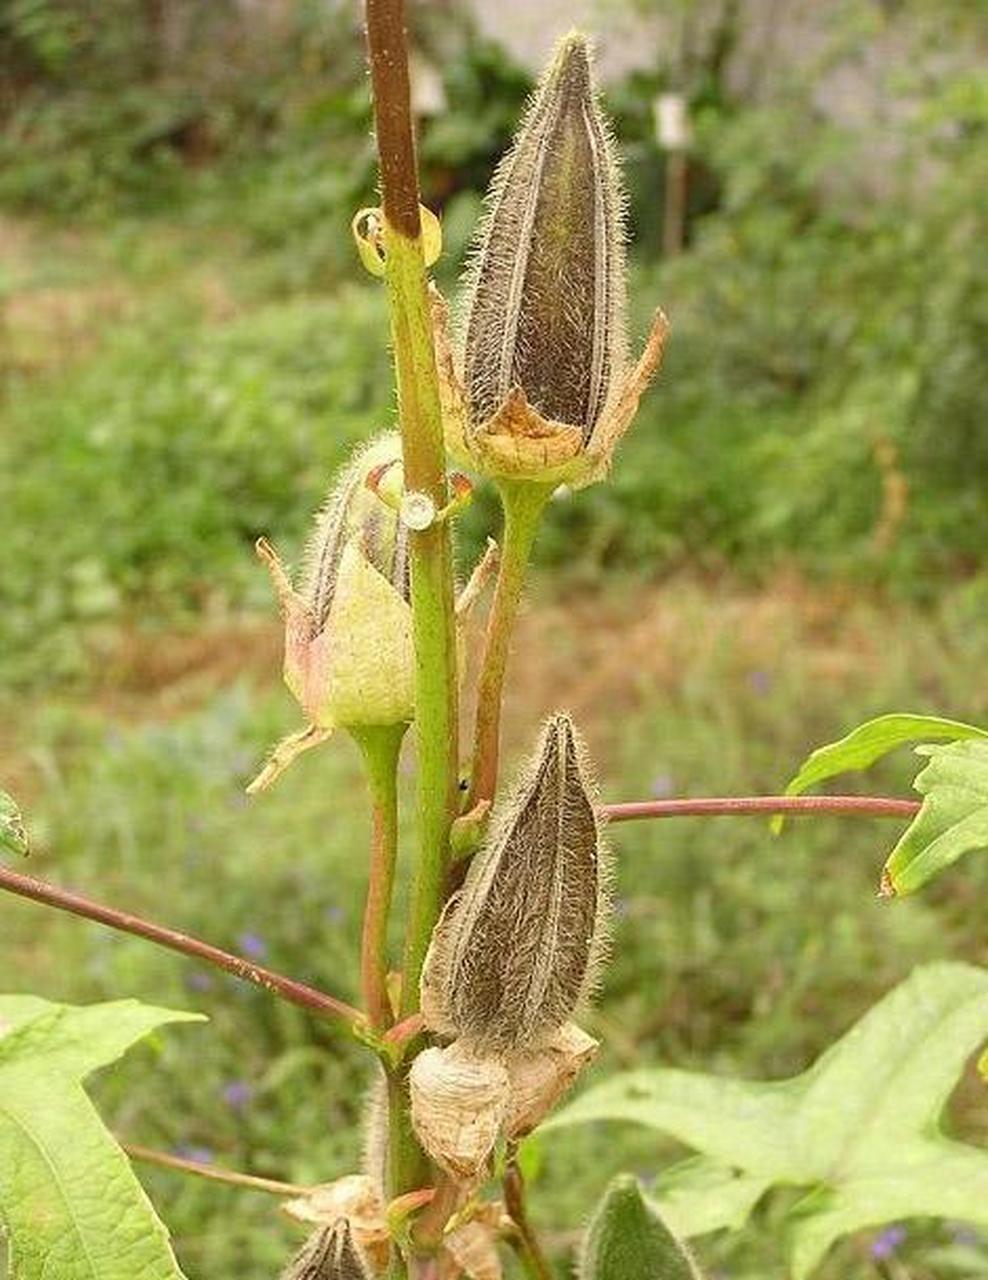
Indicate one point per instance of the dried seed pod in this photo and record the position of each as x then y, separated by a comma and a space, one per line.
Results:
546, 310
357, 1198
329, 1254
540, 1079
458, 1103
515, 953
543, 390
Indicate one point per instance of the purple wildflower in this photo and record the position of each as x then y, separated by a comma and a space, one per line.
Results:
760, 682
237, 1094
663, 786
252, 945
887, 1241
198, 981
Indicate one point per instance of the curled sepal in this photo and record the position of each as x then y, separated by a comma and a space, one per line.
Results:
542, 389
627, 1240
514, 951
331, 1253
355, 1197
458, 1103
367, 227
540, 1079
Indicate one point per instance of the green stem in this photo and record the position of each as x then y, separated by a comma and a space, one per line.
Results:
380, 746
523, 503
433, 617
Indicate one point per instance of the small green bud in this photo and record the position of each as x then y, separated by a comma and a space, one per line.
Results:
627, 1240
514, 952
329, 1254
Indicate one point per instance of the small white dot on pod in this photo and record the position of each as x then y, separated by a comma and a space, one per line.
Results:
418, 511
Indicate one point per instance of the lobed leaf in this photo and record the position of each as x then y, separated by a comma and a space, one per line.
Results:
70, 1203
953, 819
859, 1128
13, 837
869, 742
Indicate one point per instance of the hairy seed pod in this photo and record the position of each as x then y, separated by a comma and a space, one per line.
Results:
545, 289
458, 1104
540, 1079
329, 1254
514, 953
353, 510
355, 1197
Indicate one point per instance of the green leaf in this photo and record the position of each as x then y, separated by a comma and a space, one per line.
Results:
69, 1201
13, 837
700, 1195
859, 1128
627, 1240
868, 743
953, 819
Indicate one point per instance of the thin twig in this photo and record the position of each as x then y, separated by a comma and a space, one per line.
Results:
287, 988
147, 1155
533, 1260
737, 806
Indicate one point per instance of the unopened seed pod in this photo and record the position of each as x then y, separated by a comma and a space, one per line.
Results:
515, 953
355, 1197
329, 1254
458, 1104
539, 386
546, 288
540, 1079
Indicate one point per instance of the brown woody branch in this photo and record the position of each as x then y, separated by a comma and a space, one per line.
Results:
736, 806
287, 988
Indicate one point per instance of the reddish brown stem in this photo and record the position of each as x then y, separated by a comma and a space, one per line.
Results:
214, 1173
734, 806
287, 988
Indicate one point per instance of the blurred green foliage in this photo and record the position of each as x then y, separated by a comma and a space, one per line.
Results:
823, 384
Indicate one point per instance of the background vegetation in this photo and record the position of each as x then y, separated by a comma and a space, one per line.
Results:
793, 540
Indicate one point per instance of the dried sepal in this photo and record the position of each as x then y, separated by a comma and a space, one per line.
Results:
473, 1249
539, 1080
457, 1106
357, 1198
515, 952
331, 1253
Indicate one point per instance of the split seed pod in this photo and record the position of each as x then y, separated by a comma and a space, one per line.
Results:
515, 951
355, 1197
543, 390
458, 1103
329, 1254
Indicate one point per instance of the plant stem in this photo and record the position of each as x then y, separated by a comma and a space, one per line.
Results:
381, 746
433, 617
287, 988
523, 503
738, 806
534, 1262
146, 1155
425, 472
